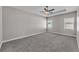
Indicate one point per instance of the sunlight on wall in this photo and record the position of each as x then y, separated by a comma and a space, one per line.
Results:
43, 23
78, 23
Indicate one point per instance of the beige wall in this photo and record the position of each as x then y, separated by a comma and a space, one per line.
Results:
0, 25
17, 23
58, 24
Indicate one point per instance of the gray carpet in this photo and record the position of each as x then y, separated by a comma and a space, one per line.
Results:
45, 42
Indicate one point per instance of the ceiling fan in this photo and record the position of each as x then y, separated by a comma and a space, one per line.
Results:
46, 11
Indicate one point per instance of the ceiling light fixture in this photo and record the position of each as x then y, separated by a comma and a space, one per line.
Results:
46, 13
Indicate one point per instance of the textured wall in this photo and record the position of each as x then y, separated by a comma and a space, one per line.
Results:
17, 23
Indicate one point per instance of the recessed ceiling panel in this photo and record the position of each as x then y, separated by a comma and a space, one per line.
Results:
37, 9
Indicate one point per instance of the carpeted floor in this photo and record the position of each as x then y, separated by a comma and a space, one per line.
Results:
45, 42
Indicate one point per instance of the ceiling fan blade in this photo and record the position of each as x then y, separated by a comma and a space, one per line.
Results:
58, 11
45, 9
51, 10
46, 6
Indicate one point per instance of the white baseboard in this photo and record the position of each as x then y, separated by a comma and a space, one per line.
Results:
17, 38
64, 34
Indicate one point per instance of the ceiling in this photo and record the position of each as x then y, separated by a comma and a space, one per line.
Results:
37, 9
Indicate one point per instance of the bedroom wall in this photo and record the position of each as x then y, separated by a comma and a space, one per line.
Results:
17, 23
0, 25
78, 27
58, 24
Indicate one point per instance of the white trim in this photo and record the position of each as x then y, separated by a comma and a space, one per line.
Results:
20, 37
64, 34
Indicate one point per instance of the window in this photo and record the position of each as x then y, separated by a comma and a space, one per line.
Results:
50, 24
69, 23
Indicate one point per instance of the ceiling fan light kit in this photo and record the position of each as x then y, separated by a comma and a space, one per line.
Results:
46, 14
